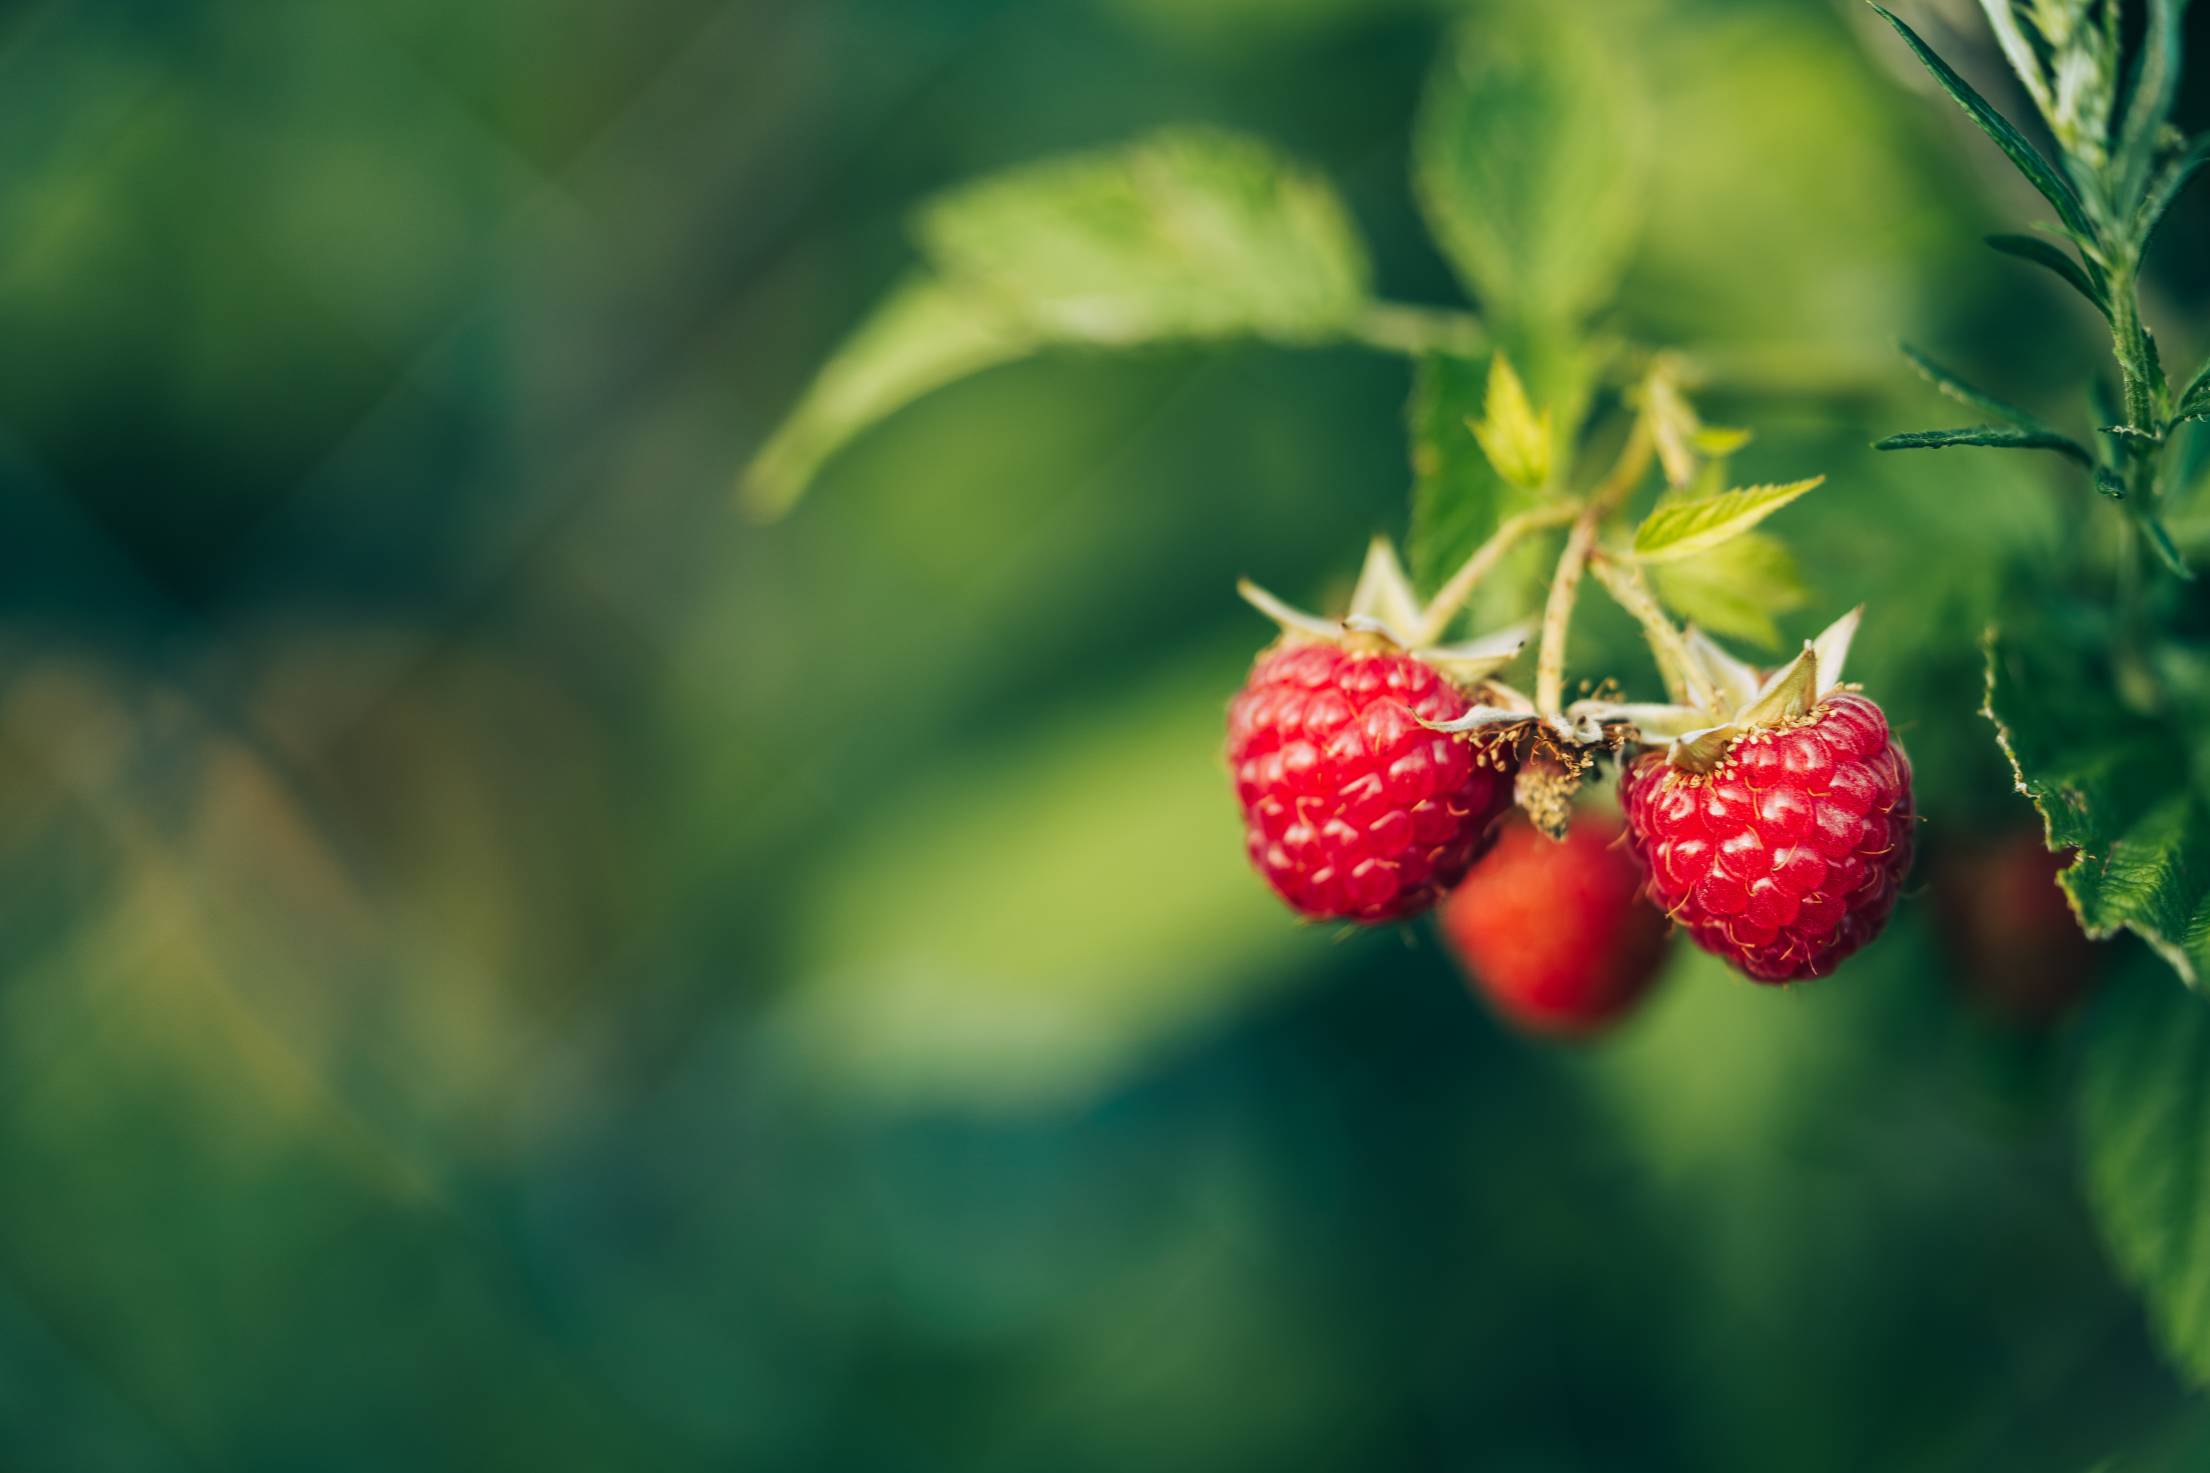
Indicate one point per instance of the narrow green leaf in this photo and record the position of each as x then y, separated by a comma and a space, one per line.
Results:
2149, 100
1964, 393
1528, 161
2028, 159
1736, 588
2144, 1129
2165, 188
2106, 783
1992, 436
2054, 258
1189, 233
2194, 400
2160, 542
922, 336
1682, 529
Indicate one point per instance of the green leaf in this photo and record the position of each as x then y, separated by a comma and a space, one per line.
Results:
2144, 1124
2149, 103
1736, 588
905, 991
1527, 161
2160, 542
1515, 438
2038, 170
1190, 233
1993, 436
2194, 400
922, 336
1681, 529
1964, 393
2045, 254
2107, 783
1457, 496
2168, 184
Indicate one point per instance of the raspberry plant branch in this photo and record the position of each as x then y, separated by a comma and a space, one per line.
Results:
1565, 584
2120, 164
1513, 530
1631, 591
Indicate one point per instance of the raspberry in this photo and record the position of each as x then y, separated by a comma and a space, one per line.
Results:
2022, 957
1554, 933
1787, 855
1352, 809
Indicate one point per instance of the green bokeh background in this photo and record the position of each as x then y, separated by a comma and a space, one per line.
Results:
509, 964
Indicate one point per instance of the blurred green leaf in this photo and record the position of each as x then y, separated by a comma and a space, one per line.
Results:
2145, 1134
1995, 437
2038, 170
1189, 233
1682, 529
1025, 928
922, 336
1528, 163
2052, 257
1736, 588
2106, 784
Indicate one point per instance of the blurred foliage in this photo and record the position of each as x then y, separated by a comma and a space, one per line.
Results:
510, 964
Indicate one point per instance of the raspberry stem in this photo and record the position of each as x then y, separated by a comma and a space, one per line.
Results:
1441, 609
1625, 583
1565, 585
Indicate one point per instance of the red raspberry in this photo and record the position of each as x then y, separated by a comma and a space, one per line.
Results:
1352, 809
1555, 933
1786, 857
2023, 958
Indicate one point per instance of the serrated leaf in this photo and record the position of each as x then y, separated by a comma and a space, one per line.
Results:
1682, 529
1515, 438
1995, 437
1527, 162
1190, 233
2029, 160
1956, 388
924, 335
1457, 496
2106, 782
1736, 588
2054, 258
2145, 1139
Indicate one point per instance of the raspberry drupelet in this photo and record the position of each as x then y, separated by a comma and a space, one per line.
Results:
1787, 855
1353, 810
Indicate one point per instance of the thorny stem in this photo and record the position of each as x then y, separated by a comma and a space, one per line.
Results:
1441, 609
1399, 327
1565, 585
1630, 591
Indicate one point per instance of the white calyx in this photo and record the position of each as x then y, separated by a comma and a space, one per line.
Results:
1384, 607
1737, 698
